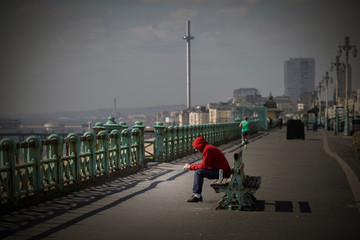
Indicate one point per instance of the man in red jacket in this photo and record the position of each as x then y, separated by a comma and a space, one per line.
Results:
213, 160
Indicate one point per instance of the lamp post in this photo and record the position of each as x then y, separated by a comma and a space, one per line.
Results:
313, 100
338, 66
347, 47
319, 91
325, 81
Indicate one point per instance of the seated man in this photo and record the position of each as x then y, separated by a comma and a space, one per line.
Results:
213, 160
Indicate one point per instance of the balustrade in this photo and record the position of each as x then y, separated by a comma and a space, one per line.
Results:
39, 165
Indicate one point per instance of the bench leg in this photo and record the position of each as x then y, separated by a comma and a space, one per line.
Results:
236, 200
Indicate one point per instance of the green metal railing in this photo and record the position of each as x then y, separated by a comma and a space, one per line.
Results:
257, 116
174, 142
36, 165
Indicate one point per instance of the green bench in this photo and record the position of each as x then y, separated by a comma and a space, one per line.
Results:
238, 188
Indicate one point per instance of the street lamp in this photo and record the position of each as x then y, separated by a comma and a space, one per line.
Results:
325, 80
338, 67
347, 47
319, 91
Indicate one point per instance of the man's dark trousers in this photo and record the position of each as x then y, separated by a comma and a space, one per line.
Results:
199, 176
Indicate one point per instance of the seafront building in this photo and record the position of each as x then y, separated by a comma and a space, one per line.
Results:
200, 115
220, 112
299, 77
248, 96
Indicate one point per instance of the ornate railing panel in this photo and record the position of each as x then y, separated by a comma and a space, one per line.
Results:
40, 165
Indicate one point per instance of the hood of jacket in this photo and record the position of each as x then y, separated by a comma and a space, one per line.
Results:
199, 143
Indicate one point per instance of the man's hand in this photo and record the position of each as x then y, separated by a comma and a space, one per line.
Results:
186, 166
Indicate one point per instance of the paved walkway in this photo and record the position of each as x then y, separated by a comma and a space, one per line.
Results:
304, 194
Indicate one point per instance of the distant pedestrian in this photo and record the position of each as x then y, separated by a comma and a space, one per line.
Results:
280, 122
245, 131
213, 160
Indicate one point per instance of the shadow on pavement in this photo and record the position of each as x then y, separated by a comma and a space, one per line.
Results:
280, 206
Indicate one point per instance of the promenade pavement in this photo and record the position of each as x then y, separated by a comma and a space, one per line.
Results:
305, 194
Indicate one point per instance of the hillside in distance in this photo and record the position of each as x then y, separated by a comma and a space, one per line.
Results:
93, 115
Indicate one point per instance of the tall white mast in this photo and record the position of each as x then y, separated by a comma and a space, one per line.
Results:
188, 38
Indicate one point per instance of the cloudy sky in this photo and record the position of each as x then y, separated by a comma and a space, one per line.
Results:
80, 55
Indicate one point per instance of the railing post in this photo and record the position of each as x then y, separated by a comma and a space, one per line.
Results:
74, 151
191, 137
176, 142
226, 132
115, 144
181, 140
186, 139
136, 143
111, 124
166, 144
99, 126
222, 127
56, 143
197, 131
170, 141
104, 146
233, 130
206, 131
8, 152
35, 147
159, 142
123, 126
139, 125
126, 145
200, 130
217, 127
90, 148
211, 129
237, 122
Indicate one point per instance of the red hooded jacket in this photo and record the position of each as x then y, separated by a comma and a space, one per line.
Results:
213, 158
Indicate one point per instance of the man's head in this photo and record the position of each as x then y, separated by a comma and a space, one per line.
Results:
245, 118
199, 143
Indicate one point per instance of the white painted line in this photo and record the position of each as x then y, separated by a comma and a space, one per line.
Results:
349, 173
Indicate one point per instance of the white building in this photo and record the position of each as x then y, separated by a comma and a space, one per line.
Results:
220, 112
199, 116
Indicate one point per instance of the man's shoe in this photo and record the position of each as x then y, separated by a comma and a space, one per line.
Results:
194, 199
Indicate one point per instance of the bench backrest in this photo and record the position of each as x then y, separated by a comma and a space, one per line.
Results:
238, 164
